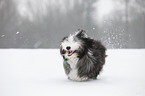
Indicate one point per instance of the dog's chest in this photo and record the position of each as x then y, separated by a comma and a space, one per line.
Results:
73, 74
73, 62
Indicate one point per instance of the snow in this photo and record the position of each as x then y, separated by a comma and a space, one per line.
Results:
2, 35
17, 32
39, 72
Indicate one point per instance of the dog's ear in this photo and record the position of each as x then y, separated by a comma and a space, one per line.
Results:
64, 38
81, 34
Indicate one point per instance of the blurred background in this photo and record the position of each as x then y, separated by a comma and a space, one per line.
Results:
43, 23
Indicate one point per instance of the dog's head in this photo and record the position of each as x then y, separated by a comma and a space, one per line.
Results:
72, 44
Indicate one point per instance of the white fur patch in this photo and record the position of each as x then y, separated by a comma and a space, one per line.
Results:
73, 74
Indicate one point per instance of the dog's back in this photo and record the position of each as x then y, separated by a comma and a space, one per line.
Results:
91, 63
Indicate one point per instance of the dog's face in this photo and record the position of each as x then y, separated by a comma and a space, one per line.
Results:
71, 45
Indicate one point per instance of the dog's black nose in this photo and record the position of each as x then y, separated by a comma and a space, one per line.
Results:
68, 47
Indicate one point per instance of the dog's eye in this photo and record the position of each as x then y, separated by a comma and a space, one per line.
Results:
63, 51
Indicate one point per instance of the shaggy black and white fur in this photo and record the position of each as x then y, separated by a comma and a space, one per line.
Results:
83, 57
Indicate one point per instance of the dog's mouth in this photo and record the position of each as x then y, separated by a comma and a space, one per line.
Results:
70, 52
67, 52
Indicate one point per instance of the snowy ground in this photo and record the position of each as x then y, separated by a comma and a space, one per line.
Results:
39, 72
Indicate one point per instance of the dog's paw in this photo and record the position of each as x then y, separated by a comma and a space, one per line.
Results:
83, 79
